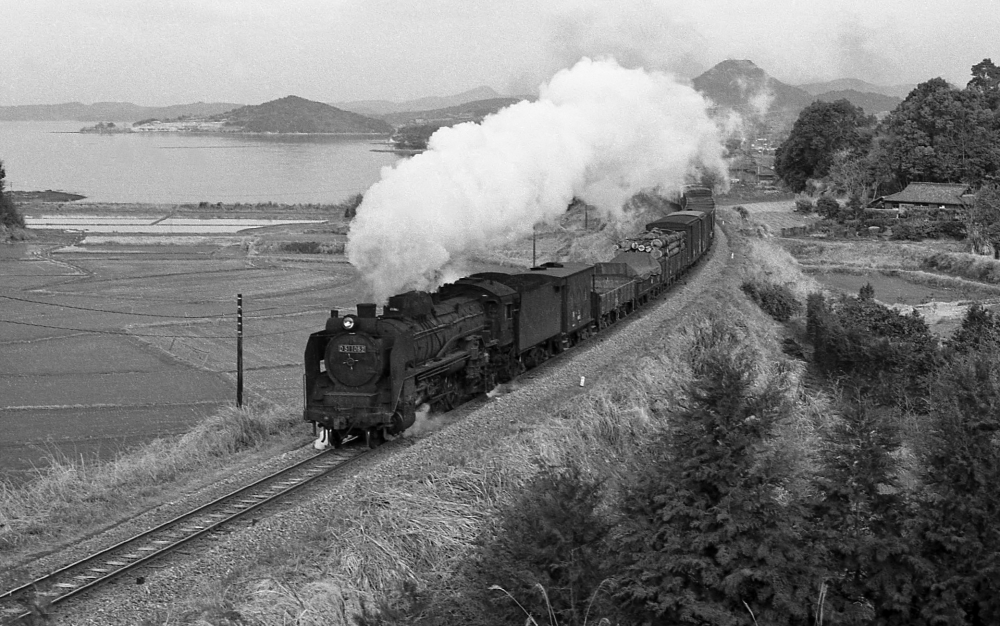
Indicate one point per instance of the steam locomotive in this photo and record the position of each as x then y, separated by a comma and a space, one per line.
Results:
366, 375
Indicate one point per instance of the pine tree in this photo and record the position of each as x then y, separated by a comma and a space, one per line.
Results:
547, 553
860, 517
957, 516
715, 537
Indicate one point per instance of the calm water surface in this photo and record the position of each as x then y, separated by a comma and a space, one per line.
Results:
183, 168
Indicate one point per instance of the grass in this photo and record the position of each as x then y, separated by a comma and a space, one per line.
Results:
416, 529
83, 495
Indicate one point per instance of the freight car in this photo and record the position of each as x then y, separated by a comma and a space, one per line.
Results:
366, 375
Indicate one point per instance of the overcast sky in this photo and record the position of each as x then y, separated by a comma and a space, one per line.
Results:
250, 51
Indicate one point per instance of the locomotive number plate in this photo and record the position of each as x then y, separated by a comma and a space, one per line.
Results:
352, 348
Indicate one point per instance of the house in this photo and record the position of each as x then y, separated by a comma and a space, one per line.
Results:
752, 170
938, 199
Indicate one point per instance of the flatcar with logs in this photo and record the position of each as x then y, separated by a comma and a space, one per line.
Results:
367, 375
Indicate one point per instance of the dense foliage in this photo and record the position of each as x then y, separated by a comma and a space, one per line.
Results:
415, 136
939, 133
984, 218
872, 348
822, 130
9, 215
778, 301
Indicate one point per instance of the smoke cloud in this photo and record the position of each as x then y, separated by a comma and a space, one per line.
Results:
598, 131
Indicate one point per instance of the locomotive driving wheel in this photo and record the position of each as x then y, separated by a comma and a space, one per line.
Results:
450, 394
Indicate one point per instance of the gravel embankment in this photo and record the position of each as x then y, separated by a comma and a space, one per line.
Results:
539, 393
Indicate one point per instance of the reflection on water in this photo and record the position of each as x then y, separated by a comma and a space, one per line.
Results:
182, 168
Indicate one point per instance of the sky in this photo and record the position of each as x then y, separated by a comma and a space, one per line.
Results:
252, 51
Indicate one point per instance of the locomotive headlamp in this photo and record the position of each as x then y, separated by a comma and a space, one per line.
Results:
348, 322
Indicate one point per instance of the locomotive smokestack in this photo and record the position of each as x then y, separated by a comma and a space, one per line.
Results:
366, 310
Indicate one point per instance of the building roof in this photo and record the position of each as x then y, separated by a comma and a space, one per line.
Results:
930, 193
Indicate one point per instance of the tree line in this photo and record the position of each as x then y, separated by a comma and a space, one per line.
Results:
939, 133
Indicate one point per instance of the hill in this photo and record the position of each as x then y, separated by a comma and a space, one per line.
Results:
293, 114
108, 111
872, 103
379, 108
741, 86
469, 111
845, 84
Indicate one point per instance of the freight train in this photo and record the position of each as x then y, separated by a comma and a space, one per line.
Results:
366, 374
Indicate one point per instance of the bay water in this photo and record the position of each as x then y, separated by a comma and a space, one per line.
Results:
186, 168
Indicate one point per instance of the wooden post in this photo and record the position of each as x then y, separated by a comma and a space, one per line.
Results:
533, 251
239, 350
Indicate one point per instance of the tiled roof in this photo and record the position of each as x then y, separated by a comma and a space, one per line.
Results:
929, 193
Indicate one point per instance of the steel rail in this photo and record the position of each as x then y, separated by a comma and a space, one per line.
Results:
236, 504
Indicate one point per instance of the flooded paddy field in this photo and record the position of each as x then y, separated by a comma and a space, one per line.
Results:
902, 287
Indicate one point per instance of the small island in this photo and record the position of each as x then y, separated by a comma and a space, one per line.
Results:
106, 128
288, 115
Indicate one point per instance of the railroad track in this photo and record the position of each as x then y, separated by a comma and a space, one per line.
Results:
32, 600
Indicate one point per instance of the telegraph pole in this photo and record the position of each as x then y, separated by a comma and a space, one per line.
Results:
533, 250
239, 350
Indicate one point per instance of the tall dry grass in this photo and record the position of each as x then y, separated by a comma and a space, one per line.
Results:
416, 529
74, 494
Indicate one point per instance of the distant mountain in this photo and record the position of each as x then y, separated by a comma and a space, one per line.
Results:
109, 111
741, 86
378, 108
872, 103
845, 84
293, 114
470, 111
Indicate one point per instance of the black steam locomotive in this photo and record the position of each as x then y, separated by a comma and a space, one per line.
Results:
367, 374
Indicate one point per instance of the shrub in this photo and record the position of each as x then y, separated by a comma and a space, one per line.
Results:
980, 330
804, 205
302, 247
547, 554
350, 206
10, 217
828, 207
875, 349
775, 300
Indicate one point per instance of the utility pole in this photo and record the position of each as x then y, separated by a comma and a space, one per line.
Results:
239, 350
533, 249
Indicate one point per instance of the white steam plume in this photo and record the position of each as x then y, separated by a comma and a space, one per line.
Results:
598, 131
